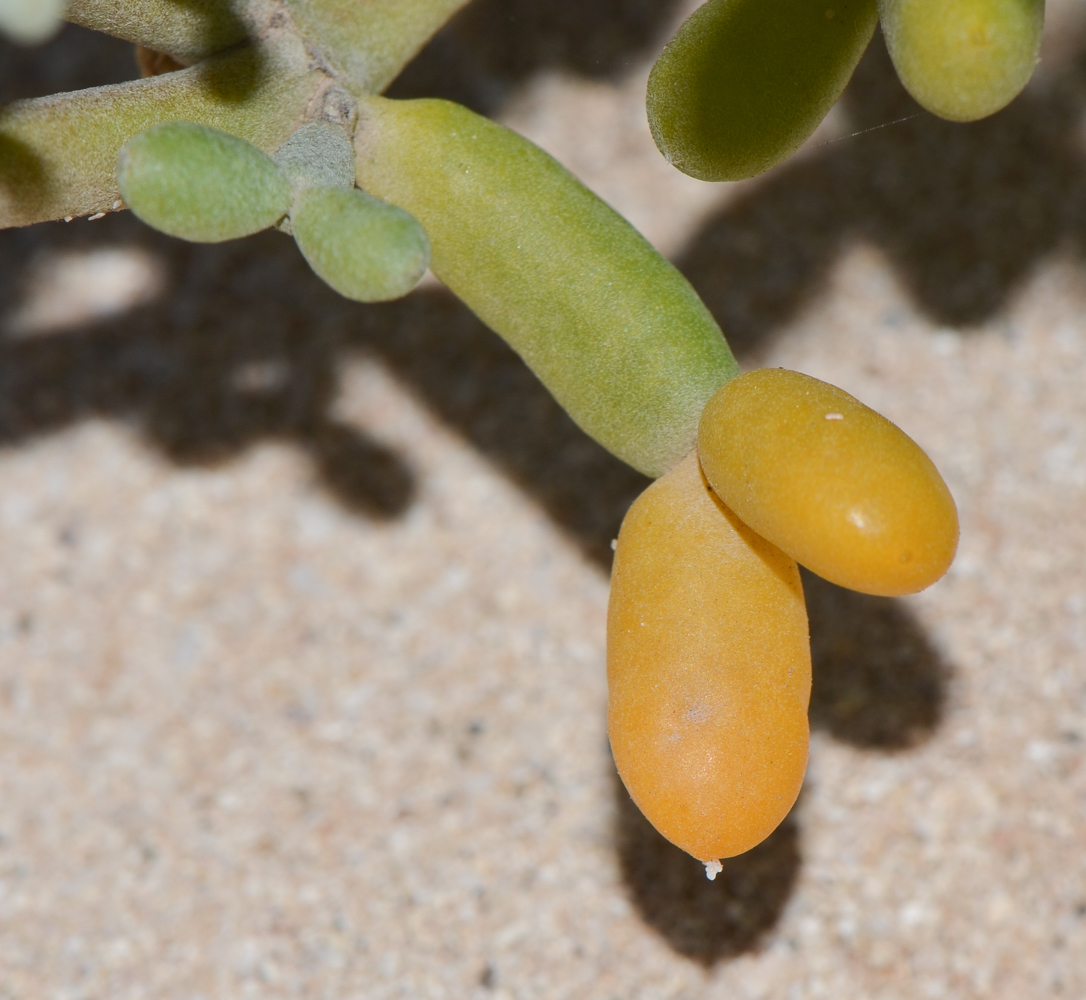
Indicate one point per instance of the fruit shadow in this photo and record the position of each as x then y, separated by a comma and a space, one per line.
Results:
705, 921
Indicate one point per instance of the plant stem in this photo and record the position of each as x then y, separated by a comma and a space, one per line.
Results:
369, 41
58, 155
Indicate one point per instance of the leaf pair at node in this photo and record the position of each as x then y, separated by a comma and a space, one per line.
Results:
744, 83
206, 186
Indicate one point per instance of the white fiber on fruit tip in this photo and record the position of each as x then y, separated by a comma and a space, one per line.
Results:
835, 416
712, 869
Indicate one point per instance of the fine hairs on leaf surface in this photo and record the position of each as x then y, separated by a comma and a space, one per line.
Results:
319, 154
366, 249
276, 120
187, 31
207, 186
200, 184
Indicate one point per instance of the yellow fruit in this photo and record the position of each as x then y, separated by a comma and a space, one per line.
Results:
708, 669
834, 484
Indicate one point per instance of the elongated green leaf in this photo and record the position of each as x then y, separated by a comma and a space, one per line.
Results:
744, 83
613, 330
201, 184
365, 248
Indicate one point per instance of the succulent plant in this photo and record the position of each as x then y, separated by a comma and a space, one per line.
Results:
268, 113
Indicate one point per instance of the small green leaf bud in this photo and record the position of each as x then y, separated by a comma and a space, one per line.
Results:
201, 184
366, 249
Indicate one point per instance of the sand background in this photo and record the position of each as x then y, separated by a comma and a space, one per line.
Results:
302, 610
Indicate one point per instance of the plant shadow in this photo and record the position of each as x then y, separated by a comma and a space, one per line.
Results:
964, 213
879, 683
245, 345
205, 372
493, 46
705, 921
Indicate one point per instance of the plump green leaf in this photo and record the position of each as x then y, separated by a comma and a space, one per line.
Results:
201, 184
366, 249
967, 59
743, 83
610, 327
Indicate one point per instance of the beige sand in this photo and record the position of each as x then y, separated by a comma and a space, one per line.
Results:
301, 618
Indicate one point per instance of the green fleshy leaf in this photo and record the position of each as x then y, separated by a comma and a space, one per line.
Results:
743, 83
366, 249
58, 154
190, 30
372, 40
609, 326
201, 184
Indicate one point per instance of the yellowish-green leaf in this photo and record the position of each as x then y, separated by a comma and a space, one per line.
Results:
967, 59
611, 328
186, 29
371, 40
